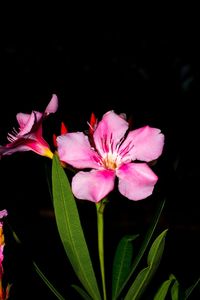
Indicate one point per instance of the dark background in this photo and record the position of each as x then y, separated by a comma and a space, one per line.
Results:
94, 65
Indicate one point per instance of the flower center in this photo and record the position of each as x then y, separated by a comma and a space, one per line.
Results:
111, 161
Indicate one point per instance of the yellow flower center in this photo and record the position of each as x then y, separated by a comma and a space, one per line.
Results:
111, 161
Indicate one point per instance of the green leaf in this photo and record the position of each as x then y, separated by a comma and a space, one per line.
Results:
47, 282
175, 290
37, 269
162, 291
143, 278
156, 249
145, 244
122, 262
70, 230
81, 292
191, 289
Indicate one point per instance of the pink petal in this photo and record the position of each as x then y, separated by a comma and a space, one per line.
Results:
136, 180
11, 148
19, 146
94, 185
145, 143
110, 130
74, 149
52, 106
38, 145
3, 213
26, 122
22, 119
30, 143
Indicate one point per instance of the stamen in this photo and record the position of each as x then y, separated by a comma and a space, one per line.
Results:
11, 137
15, 131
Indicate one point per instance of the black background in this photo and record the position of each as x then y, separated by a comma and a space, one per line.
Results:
94, 64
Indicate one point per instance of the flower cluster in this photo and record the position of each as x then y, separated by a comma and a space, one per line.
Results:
4, 293
108, 155
110, 150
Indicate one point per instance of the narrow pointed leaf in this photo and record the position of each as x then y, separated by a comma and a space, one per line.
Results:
175, 290
191, 289
81, 292
143, 278
48, 283
145, 244
156, 249
162, 291
70, 230
122, 262
37, 269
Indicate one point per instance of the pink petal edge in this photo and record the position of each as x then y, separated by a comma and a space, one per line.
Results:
136, 180
93, 185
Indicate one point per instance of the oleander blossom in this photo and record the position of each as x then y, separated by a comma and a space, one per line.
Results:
3, 213
4, 293
29, 136
114, 152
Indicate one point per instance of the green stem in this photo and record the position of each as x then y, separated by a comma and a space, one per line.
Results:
100, 227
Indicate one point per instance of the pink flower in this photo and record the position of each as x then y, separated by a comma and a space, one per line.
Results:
29, 136
112, 154
4, 293
3, 213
